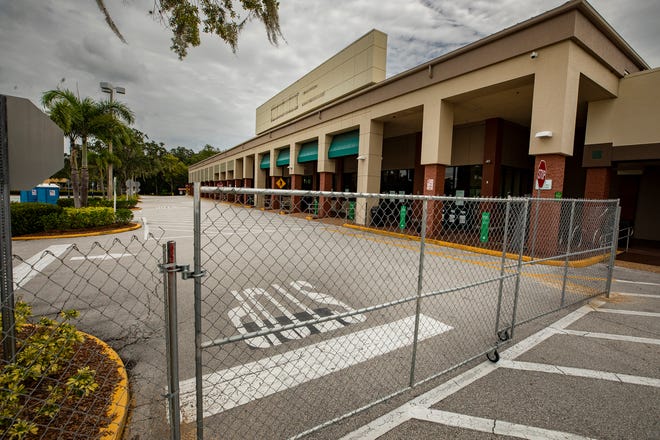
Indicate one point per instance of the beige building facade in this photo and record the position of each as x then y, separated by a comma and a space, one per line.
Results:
562, 87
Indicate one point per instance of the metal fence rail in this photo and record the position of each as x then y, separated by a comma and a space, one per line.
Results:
322, 304
118, 292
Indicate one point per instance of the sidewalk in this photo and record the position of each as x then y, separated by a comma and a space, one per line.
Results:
595, 373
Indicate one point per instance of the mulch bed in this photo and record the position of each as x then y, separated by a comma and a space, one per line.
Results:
81, 418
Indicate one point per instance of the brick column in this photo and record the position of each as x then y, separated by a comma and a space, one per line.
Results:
492, 160
325, 184
434, 185
598, 183
247, 183
238, 183
296, 183
546, 226
275, 200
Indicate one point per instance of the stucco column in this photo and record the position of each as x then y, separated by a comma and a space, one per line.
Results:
326, 169
369, 167
437, 132
554, 105
434, 185
259, 181
437, 138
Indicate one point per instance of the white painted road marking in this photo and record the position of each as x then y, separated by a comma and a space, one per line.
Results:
637, 282
242, 384
497, 427
34, 265
101, 257
579, 372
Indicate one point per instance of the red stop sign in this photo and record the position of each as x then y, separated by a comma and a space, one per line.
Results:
540, 174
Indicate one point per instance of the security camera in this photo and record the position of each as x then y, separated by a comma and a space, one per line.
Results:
534, 55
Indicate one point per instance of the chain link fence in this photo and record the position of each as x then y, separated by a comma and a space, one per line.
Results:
309, 307
317, 305
58, 385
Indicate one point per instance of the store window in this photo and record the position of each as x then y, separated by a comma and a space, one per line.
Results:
397, 181
463, 180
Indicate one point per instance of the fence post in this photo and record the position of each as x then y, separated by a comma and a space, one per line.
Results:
6, 270
568, 251
197, 267
420, 279
504, 244
519, 268
171, 338
615, 241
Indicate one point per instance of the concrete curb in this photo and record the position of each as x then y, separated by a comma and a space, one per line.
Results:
85, 234
118, 409
578, 263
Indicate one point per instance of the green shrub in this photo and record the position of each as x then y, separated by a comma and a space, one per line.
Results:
42, 364
65, 203
28, 218
89, 217
123, 216
122, 202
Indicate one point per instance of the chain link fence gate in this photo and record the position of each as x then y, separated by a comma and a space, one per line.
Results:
312, 306
119, 293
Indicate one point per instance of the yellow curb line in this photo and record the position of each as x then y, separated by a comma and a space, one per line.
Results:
579, 263
87, 234
118, 410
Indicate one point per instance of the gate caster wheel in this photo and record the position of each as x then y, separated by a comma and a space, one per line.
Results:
503, 335
493, 356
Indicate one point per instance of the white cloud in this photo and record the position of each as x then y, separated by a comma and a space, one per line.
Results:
211, 96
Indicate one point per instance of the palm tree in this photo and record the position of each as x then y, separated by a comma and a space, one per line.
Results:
61, 106
85, 119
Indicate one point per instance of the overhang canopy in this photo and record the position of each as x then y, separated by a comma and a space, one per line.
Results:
283, 157
265, 161
309, 152
345, 144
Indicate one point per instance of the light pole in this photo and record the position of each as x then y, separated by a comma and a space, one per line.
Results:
106, 87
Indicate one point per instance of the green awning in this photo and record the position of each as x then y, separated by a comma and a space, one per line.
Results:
309, 152
265, 161
345, 144
283, 158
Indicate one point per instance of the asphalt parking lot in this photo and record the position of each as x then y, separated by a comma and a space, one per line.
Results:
264, 268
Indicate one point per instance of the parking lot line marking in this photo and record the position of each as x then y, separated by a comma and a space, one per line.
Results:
33, 266
611, 337
579, 372
390, 420
629, 312
492, 426
242, 384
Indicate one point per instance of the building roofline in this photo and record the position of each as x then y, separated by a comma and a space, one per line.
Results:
581, 6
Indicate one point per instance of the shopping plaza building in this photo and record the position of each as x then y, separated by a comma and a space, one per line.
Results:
562, 87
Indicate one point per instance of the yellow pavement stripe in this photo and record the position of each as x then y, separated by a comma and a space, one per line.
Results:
82, 234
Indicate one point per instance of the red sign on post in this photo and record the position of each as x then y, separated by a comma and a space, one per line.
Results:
540, 174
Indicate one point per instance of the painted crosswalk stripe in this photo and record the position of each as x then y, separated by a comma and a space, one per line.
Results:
242, 384
34, 265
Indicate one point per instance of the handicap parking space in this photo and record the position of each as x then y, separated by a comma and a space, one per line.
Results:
595, 373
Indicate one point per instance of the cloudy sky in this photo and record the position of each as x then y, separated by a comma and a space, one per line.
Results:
211, 96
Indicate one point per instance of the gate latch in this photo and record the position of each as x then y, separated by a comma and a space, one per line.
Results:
186, 273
